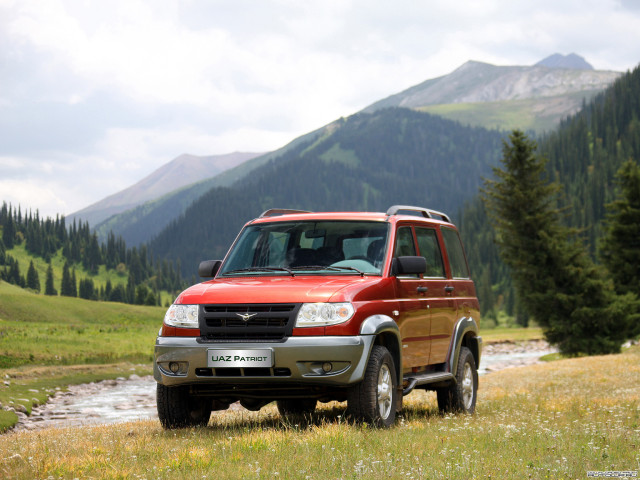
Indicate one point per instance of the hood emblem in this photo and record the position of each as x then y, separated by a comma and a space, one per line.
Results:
246, 316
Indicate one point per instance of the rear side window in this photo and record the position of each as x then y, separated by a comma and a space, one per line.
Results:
457, 260
430, 250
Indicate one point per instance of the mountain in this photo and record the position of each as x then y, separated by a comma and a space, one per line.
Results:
502, 98
368, 161
505, 97
572, 61
181, 171
140, 224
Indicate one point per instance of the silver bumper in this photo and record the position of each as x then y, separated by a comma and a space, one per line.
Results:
295, 360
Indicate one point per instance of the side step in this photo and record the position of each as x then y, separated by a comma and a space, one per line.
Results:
426, 378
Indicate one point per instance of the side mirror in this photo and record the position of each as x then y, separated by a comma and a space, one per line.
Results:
209, 268
409, 265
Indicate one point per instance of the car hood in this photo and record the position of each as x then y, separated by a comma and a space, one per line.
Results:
276, 289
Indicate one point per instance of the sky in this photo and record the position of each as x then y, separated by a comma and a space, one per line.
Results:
96, 95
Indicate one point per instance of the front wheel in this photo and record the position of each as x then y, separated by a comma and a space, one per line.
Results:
374, 399
461, 396
178, 409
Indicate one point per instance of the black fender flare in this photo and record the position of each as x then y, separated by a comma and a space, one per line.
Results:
467, 331
385, 328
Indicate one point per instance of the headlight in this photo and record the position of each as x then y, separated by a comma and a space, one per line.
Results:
185, 316
323, 314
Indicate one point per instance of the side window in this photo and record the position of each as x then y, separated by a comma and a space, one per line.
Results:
430, 250
457, 260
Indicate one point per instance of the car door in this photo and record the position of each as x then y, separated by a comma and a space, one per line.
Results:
440, 302
413, 320
464, 290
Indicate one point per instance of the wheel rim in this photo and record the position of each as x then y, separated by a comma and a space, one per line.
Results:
467, 387
385, 392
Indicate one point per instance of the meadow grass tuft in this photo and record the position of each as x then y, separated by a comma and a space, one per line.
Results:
555, 420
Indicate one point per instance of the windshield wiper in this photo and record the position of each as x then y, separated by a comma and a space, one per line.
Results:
328, 267
261, 269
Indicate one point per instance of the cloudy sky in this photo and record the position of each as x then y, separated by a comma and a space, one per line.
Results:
95, 95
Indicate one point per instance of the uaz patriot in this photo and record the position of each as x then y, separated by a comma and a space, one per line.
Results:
316, 307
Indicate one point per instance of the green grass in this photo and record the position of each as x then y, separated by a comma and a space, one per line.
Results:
40, 330
337, 154
556, 420
539, 114
512, 334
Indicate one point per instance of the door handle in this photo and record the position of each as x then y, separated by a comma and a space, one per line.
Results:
422, 289
449, 289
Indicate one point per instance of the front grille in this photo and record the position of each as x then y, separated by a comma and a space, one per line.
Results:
247, 322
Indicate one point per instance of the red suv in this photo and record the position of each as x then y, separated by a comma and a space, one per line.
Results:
309, 307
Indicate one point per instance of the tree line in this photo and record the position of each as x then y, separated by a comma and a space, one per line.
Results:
584, 156
577, 305
79, 246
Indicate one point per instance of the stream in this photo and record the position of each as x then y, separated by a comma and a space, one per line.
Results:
134, 398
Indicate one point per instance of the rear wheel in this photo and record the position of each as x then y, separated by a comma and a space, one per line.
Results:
296, 406
461, 396
374, 399
178, 409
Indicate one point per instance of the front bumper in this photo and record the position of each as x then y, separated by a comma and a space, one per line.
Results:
296, 360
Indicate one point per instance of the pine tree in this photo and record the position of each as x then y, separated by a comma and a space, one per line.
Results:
9, 232
66, 286
141, 294
620, 248
33, 280
87, 289
74, 283
49, 289
554, 277
118, 294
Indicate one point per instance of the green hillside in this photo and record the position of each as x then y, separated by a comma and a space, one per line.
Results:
50, 258
539, 115
365, 162
43, 330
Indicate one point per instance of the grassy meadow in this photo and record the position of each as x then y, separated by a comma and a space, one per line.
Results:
557, 420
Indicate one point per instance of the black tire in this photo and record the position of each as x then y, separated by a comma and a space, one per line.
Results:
461, 396
178, 409
374, 400
292, 407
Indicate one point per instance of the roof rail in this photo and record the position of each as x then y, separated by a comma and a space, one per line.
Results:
274, 212
422, 212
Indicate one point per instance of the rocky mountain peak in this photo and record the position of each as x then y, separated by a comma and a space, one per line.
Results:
571, 61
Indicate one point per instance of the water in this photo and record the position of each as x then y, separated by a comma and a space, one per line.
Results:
498, 361
96, 403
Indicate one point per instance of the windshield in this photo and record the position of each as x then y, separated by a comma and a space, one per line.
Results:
318, 247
